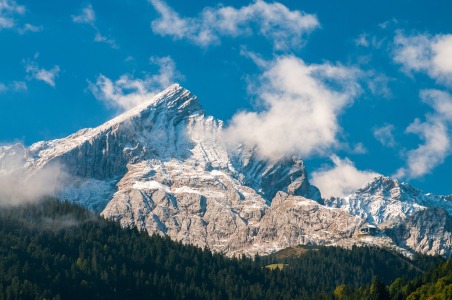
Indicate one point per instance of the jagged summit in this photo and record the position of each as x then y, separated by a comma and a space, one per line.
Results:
380, 182
386, 199
174, 98
174, 103
163, 166
171, 126
385, 184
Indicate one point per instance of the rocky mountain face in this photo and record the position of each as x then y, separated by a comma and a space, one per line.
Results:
427, 231
165, 167
411, 219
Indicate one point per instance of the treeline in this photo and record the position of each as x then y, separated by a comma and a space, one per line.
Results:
57, 250
433, 285
329, 267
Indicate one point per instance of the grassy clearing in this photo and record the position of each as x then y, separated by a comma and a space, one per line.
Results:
275, 266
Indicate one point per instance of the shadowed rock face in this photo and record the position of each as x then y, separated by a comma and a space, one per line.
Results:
164, 167
428, 231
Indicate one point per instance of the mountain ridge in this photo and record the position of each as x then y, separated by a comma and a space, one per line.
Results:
165, 167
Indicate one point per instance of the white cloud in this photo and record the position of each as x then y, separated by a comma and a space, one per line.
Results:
362, 40
47, 76
87, 15
15, 86
300, 103
103, 39
425, 53
385, 135
342, 179
435, 133
365, 40
128, 92
358, 148
385, 24
129, 58
9, 10
29, 28
378, 84
274, 21
440, 101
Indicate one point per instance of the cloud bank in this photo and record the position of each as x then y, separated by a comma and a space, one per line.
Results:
18, 186
274, 21
128, 92
301, 104
342, 179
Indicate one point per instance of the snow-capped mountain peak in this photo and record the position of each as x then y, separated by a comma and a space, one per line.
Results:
164, 166
385, 199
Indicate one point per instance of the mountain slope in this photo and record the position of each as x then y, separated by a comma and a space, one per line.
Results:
56, 250
387, 200
165, 167
411, 219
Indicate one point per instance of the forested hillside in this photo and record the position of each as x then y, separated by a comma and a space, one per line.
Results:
56, 250
433, 285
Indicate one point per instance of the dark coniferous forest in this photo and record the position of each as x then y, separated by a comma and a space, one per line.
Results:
57, 250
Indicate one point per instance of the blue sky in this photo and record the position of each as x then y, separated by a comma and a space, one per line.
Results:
358, 88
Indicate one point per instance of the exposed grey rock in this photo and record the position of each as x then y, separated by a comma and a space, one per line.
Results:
164, 167
413, 220
428, 231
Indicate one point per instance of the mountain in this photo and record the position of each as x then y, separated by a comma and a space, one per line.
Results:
165, 167
413, 220
387, 200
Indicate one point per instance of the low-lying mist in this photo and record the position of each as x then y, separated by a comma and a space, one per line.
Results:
20, 184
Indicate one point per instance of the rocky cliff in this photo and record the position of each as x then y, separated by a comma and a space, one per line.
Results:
165, 167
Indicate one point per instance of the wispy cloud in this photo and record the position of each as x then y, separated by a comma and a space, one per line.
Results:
283, 27
362, 40
10, 13
18, 185
388, 23
46, 75
103, 39
88, 16
128, 92
29, 28
434, 131
342, 179
365, 40
15, 86
300, 104
385, 135
9, 10
425, 53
